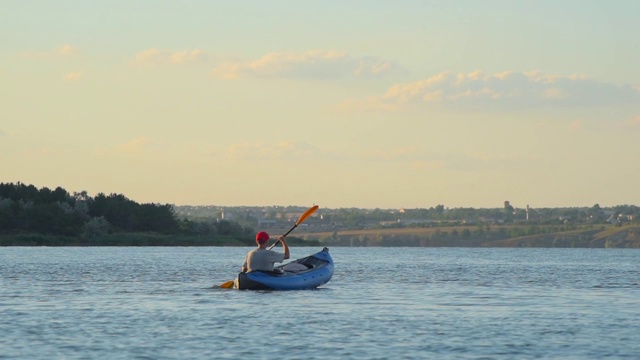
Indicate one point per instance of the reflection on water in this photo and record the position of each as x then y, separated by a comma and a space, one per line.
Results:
445, 303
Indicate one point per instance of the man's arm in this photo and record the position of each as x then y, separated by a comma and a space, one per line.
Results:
284, 246
244, 266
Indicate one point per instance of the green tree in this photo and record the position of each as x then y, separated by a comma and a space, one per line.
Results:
95, 227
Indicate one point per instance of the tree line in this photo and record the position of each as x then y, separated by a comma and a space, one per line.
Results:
84, 220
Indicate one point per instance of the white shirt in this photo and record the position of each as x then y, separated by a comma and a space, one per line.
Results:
262, 259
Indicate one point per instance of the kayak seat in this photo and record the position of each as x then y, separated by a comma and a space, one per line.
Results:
312, 262
295, 267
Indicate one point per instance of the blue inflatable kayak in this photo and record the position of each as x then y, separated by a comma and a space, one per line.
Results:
306, 273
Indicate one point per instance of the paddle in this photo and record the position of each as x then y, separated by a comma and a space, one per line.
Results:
227, 285
303, 217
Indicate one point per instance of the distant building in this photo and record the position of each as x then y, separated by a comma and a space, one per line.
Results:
267, 223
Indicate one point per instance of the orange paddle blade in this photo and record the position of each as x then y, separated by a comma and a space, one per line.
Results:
306, 214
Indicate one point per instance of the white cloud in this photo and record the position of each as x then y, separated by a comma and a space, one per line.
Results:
555, 93
502, 90
149, 56
73, 76
433, 96
136, 145
180, 57
156, 57
634, 122
67, 50
140, 146
576, 125
309, 64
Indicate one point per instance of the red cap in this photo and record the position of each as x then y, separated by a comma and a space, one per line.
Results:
262, 237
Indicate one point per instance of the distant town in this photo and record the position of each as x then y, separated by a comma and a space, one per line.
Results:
505, 226
280, 217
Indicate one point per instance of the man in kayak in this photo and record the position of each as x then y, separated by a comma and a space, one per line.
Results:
263, 259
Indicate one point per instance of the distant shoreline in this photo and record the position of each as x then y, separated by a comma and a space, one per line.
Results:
598, 237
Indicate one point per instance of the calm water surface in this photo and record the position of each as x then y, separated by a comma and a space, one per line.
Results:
382, 303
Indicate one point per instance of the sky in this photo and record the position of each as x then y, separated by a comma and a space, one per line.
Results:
344, 104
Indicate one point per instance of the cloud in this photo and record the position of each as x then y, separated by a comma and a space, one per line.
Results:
136, 145
576, 125
634, 123
478, 90
140, 146
66, 50
309, 64
2, 133
157, 57
63, 51
73, 76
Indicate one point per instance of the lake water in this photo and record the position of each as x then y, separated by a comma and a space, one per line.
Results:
382, 303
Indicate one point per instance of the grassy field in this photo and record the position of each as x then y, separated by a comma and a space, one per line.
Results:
429, 231
525, 235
